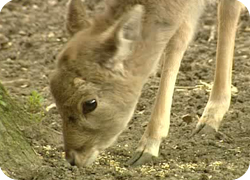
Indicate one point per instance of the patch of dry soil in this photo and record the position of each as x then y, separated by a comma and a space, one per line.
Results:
32, 33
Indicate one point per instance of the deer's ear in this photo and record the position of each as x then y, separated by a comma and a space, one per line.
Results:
127, 32
129, 29
76, 17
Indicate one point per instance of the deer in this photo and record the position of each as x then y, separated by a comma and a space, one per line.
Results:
109, 57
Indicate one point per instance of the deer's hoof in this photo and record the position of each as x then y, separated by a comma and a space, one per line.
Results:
140, 158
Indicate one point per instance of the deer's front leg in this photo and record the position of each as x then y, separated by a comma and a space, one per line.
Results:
158, 126
219, 101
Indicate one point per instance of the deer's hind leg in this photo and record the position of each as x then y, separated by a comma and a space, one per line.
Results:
158, 125
220, 97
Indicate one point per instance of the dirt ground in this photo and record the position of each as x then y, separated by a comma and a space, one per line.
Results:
31, 35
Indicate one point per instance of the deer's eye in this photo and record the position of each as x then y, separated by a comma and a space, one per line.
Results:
71, 118
89, 106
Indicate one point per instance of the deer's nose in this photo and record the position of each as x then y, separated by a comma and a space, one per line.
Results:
71, 159
72, 162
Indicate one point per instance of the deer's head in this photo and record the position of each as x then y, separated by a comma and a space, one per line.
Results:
93, 85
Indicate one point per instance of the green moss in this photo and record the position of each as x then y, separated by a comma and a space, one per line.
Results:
17, 155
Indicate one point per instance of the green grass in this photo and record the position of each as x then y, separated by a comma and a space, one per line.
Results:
2, 103
34, 105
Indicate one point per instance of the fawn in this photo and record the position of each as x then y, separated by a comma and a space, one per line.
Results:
102, 69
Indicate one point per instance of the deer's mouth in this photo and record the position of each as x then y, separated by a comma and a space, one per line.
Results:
81, 159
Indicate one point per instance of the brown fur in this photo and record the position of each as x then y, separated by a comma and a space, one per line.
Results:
109, 58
